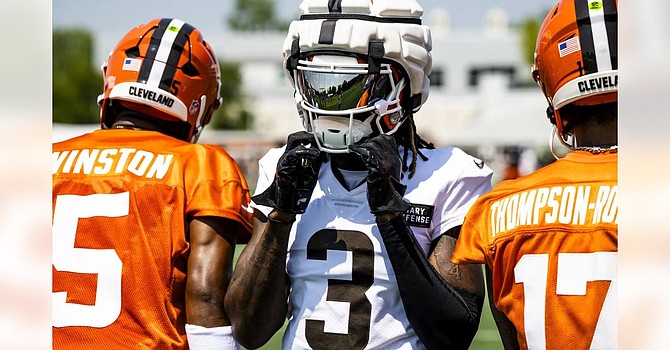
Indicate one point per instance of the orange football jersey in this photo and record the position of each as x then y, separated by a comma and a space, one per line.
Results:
122, 201
550, 240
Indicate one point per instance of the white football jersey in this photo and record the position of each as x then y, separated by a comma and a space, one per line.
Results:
344, 293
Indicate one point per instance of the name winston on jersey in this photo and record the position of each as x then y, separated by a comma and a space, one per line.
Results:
570, 205
111, 160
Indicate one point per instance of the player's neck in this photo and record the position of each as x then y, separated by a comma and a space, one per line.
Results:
343, 166
603, 136
348, 161
129, 120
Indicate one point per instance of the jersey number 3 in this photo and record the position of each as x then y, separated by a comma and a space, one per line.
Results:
352, 292
103, 262
574, 271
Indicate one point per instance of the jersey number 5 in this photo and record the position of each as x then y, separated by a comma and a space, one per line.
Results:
574, 271
103, 262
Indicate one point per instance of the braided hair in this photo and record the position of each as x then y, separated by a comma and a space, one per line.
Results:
407, 137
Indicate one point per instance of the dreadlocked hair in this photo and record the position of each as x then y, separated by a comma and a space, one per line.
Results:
410, 140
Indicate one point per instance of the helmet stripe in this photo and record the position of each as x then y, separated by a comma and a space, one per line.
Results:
175, 54
611, 20
335, 6
601, 43
596, 36
327, 34
160, 50
163, 52
586, 36
150, 55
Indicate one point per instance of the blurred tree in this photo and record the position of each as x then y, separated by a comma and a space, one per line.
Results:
529, 29
76, 82
233, 113
255, 15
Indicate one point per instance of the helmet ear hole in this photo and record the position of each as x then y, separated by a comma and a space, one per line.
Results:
551, 114
535, 74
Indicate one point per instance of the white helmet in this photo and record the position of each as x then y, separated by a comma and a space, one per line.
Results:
359, 67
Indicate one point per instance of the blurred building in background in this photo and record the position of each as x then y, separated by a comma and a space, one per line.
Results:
482, 97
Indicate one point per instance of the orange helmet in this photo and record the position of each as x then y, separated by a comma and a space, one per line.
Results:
576, 55
163, 69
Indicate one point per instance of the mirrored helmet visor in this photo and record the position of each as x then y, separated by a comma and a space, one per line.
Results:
333, 91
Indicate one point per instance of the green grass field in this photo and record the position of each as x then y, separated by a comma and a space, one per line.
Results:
487, 337
348, 99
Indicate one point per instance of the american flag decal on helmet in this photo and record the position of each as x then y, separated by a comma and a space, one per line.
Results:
569, 46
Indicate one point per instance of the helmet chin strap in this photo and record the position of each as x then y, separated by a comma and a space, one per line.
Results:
551, 114
198, 122
551, 143
555, 134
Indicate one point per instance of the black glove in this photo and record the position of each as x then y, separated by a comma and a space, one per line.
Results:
380, 155
297, 172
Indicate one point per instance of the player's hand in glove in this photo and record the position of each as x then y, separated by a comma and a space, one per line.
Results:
380, 155
297, 172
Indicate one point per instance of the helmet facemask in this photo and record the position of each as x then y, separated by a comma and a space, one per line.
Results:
342, 103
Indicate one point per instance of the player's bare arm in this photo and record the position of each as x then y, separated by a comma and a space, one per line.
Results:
257, 298
210, 265
505, 326
259, 291
464, 278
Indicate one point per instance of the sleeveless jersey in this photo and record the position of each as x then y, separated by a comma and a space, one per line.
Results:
344, 293
122, 201
550, 240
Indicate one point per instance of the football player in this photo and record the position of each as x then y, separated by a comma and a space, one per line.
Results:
356, 217
144, 221
549, 240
